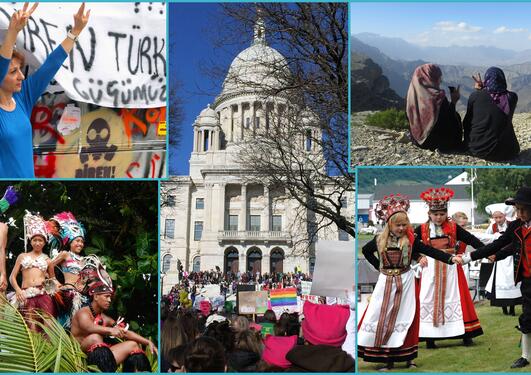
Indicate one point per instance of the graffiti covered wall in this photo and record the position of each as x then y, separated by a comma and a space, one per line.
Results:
80, 140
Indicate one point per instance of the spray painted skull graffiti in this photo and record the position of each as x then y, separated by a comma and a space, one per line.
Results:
98, 135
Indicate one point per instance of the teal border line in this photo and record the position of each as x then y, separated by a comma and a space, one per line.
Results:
167, 153
349, 167
159, 291
356, 359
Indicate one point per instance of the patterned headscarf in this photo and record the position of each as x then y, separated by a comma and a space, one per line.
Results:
496, 86
424, 99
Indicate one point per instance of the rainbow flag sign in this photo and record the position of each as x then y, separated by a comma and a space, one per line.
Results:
283, 297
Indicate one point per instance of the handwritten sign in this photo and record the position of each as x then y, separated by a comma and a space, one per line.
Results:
119, 60
252, 302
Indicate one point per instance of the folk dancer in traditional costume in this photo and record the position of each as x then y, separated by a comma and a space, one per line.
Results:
389, 328
501, 288
72, 235
38, 279
516, 241
92, 328
446, 308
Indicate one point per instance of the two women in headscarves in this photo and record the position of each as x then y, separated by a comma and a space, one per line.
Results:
486, 132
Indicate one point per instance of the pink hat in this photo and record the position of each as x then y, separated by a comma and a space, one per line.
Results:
325, 324
204, 307
276, 348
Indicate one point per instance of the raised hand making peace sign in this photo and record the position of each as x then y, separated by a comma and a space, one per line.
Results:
19, 19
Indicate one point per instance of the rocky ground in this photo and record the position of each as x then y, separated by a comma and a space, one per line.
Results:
377, 146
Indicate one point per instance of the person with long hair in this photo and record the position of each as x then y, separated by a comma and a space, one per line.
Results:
179, 329
72, 235
444, 293
18, 95
36, 268
389, 328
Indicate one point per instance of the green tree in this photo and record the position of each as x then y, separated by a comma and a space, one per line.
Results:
497, 184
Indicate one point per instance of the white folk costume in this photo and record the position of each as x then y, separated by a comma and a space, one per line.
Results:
501, 286
389, 328
446, 307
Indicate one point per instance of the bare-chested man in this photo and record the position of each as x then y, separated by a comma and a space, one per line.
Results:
90, 325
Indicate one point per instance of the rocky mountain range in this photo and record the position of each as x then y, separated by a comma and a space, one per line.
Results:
398, 59
369, 88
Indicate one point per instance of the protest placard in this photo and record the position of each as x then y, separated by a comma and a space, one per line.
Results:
334, 268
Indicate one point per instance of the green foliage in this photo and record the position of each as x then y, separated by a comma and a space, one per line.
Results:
53, 350
389, 119
23, 350
495, 185
121, 219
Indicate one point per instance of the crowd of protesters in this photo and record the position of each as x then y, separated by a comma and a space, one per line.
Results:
200, 334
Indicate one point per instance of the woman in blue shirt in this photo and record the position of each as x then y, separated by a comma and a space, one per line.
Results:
18, 96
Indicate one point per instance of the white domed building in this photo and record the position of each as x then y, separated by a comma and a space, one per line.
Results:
214, 217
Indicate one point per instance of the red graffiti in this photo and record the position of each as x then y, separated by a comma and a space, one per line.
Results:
153, 160
156, 115
40, 120
47, 168
134, 123
130, 120
134, 164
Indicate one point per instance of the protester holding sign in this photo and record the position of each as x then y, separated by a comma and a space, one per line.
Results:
18, 96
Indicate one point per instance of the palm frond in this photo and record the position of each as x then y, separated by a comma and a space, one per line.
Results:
71, 357
19, 346
22, 350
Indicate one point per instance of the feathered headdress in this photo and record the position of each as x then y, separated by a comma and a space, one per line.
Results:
437, 199
34, 225
10, 198
390, 205
70, 227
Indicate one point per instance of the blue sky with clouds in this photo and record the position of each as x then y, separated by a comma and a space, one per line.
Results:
502, 25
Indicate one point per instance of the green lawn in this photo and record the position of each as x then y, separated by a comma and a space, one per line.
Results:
494, 351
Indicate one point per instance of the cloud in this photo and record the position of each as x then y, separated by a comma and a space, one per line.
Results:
451, 26
504, 29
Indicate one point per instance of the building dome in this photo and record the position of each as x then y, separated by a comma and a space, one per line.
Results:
257, 68
207, 117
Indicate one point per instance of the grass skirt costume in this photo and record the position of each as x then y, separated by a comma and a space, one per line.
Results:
38, 297
71, 299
